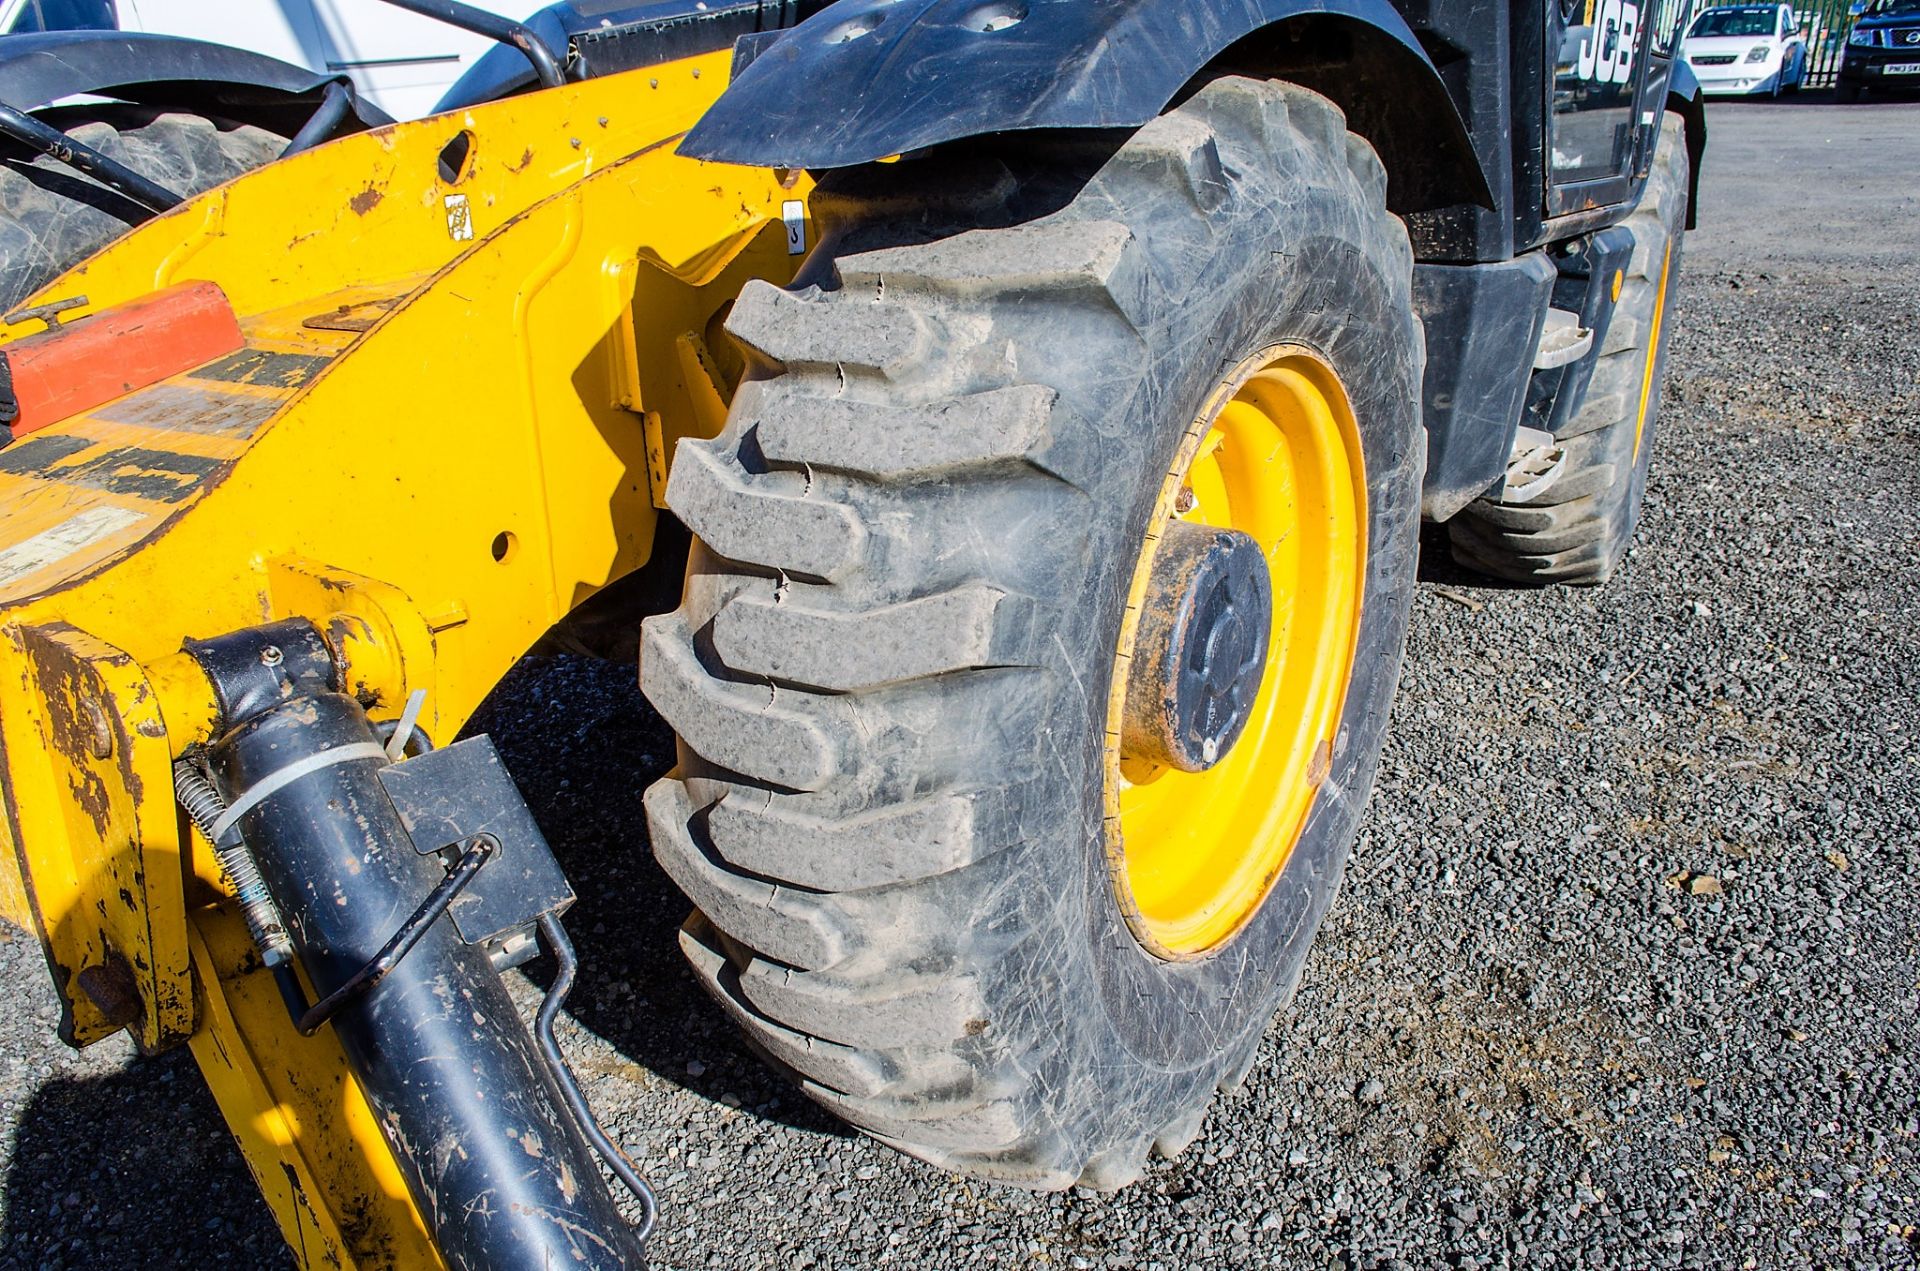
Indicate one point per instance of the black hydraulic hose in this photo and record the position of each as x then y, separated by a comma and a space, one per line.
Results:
437, 902
333, 107
116, 176
617, 1160
546, 67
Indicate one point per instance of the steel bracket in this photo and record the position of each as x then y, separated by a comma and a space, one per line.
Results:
447, 797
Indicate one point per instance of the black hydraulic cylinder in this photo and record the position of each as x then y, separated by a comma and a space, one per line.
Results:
490, 1152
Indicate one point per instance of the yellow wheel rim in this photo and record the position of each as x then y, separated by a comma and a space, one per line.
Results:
1276, 456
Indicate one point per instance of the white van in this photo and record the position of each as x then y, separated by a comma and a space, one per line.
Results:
399, 61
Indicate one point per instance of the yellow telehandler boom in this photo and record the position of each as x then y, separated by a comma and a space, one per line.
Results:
469, 345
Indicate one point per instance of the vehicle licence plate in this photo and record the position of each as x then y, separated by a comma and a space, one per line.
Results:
1903, 68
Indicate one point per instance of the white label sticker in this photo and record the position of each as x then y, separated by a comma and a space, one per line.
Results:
794, 214
50, 547
459, 218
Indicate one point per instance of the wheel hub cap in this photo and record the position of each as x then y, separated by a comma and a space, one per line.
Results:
1202, 648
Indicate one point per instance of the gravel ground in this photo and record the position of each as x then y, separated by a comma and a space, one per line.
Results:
1624, 973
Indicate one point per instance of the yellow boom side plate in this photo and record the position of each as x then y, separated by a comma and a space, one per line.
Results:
455, 403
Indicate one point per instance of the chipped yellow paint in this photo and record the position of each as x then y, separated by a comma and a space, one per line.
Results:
405, 396
88, 769
371, 206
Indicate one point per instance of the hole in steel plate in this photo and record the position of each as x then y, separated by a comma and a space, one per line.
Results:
852, 29
998, 16
456, 158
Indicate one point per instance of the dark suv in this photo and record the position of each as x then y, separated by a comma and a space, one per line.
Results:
1883, 51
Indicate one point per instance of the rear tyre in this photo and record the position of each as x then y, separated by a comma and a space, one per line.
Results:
1578, 529
896, 673
52, 217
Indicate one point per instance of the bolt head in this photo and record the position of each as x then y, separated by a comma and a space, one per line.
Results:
99, 732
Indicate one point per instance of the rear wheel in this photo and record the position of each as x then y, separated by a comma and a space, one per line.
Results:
1578, 529
52, 217
1036, 656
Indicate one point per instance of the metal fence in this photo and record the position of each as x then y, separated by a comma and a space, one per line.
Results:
1827, 24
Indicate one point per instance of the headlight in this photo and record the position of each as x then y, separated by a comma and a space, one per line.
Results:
1760, 53
1862, 38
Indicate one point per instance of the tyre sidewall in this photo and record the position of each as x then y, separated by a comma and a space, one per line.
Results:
1671, 215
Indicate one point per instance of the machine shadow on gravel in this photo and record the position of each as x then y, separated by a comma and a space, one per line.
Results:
582, 743
84, 1188
1438, 567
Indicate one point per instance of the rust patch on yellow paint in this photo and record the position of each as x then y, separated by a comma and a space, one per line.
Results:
71, 700
111, 987
365, 201
353, 317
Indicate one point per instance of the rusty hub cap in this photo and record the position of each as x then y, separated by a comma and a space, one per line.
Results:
1202, 648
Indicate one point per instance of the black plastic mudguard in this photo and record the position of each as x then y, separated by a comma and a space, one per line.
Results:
166, 71
1685, 99
862, 80
1483, 324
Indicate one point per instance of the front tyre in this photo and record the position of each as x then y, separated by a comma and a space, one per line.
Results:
1036, 659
